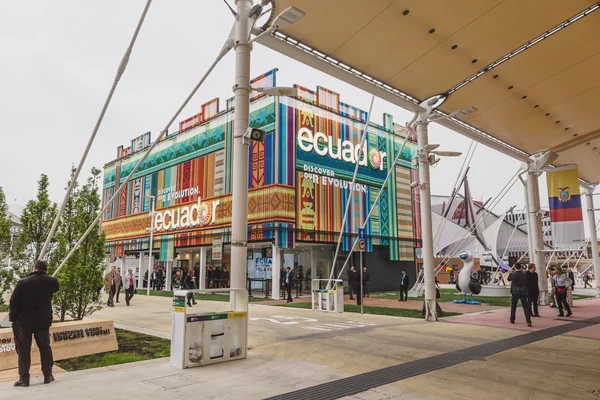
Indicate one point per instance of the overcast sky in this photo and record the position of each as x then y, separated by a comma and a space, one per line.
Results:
59, 59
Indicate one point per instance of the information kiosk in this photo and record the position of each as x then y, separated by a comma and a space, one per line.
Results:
201, 338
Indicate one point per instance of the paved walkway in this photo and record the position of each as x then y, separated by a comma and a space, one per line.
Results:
288, 357
410, 304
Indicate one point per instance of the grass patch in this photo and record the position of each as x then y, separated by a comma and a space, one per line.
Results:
133, 347
449, 295
3, 307
199, 296
353, 308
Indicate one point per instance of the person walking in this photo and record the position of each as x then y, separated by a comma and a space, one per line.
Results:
189, 283
155, 279
30, 312
518, 289
404, 285
120, 286
572, 278
351, 274
112, 281
282, 283
552, 291
586, 281
356, 286
533, 291
288, 282
561, 283
366, 279
129, 285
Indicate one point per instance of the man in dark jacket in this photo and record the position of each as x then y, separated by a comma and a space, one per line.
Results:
366, 280
404, 285
533, 291
189, 283
518, 289
288, 280
356, 286
572, 278
31, 314
351, 274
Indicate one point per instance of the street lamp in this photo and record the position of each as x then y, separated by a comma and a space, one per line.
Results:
426, 157
151, 229
246, 17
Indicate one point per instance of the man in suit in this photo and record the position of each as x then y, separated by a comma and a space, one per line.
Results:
31, 314
366, 279
351, 281
518, 289
404, 285
112, 281
129, 285
210, 275
120, 286
533, 291
289, 282
572, 278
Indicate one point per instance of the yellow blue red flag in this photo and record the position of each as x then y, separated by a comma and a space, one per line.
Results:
565, 208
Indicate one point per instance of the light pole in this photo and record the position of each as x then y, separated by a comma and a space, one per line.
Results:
589, 195
245, 19
426, 157
151, 245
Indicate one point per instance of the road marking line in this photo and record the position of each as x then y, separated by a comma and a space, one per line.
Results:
315, 328
302, 318
340, 326
274, 321
359, 323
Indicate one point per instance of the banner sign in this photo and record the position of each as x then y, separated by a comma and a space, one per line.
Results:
217, 249
565, 208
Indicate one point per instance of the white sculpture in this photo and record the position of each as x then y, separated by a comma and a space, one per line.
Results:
467, 279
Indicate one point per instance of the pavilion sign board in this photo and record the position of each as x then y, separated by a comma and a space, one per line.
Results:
217, 249
68, 340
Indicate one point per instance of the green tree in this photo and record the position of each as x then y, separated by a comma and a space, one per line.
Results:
81, 277
36, 222
66, 237
6, 276
4, 227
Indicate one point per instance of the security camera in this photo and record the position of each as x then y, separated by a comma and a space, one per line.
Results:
255, 134
414, 185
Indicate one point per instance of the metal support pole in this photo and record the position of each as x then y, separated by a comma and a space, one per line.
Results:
535, 225
11, 243
140, 276
276, 273
593, 236
120, 71
529, 241
123, 265
151, 245
239, 192
427, 230
202, 283
361, 283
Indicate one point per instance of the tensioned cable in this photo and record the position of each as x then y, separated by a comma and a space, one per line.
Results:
120, 71
476, 224
351, 194
467, 235
228, 45
390, 171
455, 189
480, 219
